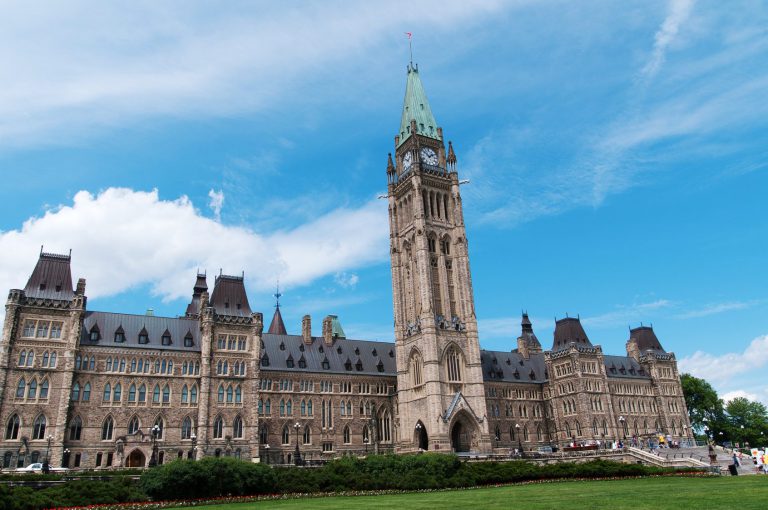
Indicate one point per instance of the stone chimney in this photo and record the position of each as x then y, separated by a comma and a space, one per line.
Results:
328, 330
306, 329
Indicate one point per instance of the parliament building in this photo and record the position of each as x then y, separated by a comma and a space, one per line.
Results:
90, 389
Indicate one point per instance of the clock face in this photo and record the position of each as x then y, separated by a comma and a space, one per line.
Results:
407, 160
428, 156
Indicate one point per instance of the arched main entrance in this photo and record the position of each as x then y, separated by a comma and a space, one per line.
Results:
461, 433
420, 436
136, 459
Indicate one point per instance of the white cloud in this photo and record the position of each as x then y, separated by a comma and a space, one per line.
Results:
626, 315
725, 367
679, 10
346, 280
216, 202
123, 238
727, 397
713, 309
79, 68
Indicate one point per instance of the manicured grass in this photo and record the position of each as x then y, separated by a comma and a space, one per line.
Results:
742, 493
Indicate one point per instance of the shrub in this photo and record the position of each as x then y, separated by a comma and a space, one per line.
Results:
210, 477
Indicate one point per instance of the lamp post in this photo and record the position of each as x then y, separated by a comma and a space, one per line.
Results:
193, 452
297, 455
685, 434
623, 420
266, 455
519, 441
46, 464
155, 431
65, 458
418, 433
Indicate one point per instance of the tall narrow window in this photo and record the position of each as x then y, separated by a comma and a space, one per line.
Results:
237, 427
186, 428
87, 392
44, 389
454, 365
133, 425
142, 393
160, 424
156, 394
166, 394
20, 388
218, 428
75, 392
75, 429
106, 429
12, 429
38, 431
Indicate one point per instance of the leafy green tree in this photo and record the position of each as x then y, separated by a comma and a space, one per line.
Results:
748, 421
704, 405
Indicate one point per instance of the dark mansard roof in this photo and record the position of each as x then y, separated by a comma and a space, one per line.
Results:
51, 278
229, 296
624, 367
107, 324
201, 285
569, 330
502, 366
343, 357
646, 339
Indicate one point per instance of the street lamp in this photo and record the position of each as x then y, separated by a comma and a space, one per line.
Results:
519, 441
266, 447
297, 455
623, 420
46, 464
155, 431
65, 458
193, 452
419, 426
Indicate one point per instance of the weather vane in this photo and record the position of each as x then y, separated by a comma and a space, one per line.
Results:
277, 295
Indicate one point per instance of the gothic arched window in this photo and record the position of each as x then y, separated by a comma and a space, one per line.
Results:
38, 431
237, 427
218, 428
106, 429
307, 436
286, 435
133, 425
346, 435
186, 428
12, 429
454, 362
75, 429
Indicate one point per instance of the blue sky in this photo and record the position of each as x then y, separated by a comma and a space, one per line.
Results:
616, 150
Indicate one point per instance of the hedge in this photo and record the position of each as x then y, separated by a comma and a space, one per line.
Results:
222, 477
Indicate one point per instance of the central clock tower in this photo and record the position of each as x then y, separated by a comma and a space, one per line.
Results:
441, 401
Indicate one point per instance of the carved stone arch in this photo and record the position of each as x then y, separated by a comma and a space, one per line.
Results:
464, 432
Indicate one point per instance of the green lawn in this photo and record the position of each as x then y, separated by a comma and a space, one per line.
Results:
743, 492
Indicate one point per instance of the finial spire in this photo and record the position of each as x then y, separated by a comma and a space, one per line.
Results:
277, 295
410, 45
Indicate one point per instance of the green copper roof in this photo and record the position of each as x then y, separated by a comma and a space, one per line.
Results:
416, 106
336, 330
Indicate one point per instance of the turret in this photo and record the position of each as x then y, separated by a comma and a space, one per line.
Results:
527, 343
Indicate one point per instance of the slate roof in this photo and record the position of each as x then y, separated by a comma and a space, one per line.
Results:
279, 348
646, 339
277, 326
504, 366
528, 334
51, 278
229, 296
624, 367
201, 285
108, 323
569, 330
416, 106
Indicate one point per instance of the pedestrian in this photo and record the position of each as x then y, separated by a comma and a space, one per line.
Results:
736, 460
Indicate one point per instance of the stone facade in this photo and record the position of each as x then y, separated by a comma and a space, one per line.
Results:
86, 388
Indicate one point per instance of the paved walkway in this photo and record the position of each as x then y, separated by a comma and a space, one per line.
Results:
724, 458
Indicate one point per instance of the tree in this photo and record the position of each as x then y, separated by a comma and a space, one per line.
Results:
748, 421
704, 405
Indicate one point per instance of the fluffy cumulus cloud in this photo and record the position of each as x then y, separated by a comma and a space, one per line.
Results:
733, 374
123, 238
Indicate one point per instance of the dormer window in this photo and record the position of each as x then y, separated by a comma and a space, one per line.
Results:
320, 349
359, 366
348, 365
120, 335
532, 375
188, 340
289, 362
326, 364
226, 305
143, 336
239, 306
42, 286
301, 347
357, 351
391, 354
166, 338
374, 352
339, 350
58, 288
509, 362
265, 361
380, 366
516, 374
94, 334
282, 346
302, 362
